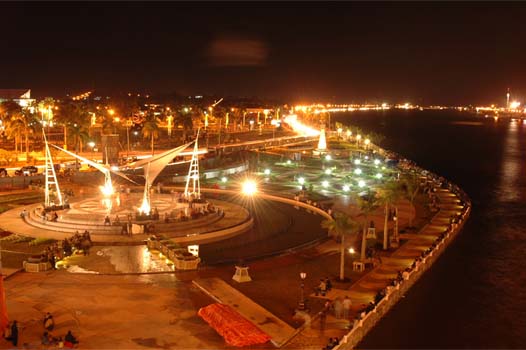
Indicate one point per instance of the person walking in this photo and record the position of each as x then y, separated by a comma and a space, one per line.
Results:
49, 322
338, 307
14, 333
347, 303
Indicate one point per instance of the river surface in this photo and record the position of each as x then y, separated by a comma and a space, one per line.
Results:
475, 295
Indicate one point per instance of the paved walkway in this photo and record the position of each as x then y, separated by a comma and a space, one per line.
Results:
364, 290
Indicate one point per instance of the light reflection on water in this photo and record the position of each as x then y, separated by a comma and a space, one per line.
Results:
134, 259
509, 184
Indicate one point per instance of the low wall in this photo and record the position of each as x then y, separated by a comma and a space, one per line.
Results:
395, 293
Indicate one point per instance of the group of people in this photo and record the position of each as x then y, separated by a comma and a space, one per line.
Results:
79, 241
53, 216
332, 343
324, 287
69, 340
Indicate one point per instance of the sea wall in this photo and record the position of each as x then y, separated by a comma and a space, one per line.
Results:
394, 293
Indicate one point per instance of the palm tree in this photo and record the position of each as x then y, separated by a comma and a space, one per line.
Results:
411, 188
367, 204
340, 226
150, 129
14, 129
79, 133
71, 113
22, 122
389, 195
184, 118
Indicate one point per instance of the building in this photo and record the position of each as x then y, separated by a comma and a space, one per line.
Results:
20, 96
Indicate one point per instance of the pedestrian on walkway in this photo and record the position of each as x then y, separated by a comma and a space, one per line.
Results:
338, 307
347, 303
14, 333
49, 323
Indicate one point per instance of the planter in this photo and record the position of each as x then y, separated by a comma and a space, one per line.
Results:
186, 263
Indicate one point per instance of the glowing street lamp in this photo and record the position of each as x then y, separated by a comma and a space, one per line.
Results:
267, 172
346, 188
357, 161
224, 179
361, 183
301, 180
358, 171
249, 187
325, 184
301, 305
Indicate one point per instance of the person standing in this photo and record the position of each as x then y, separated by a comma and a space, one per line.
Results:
14, 333
347, 303
338, 307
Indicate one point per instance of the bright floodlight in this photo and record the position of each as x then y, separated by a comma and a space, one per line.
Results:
328, 157
301, 180
328, 171
249, 187
223, 179
361, 183
267, 171
357, 161
376, 162
346, 188
378, 176
325, 184
358, 171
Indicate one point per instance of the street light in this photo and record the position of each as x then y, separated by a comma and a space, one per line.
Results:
301, 304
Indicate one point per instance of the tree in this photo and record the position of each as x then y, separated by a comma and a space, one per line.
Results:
341, 226
367, 204
150, 129
410, 188
184, 118
71, 113
389, 195
79, 133
21, 122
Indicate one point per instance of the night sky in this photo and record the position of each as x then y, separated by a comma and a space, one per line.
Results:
430, 53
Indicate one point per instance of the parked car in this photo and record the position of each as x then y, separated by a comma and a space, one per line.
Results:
27, 171
3, 172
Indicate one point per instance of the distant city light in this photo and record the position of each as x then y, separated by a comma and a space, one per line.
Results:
267, 171
325, 183
328, 171
346, 188
358, 171
301, 180
361, 183
376, 161
378, 176
357, 161
328, 157
223, 179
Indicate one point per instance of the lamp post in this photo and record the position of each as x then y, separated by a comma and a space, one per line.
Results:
301, 305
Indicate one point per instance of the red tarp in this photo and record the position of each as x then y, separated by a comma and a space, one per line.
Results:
234, 328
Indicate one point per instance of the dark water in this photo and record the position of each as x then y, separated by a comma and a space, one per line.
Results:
475, 295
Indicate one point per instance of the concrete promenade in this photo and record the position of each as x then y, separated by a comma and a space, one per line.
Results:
152, 311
